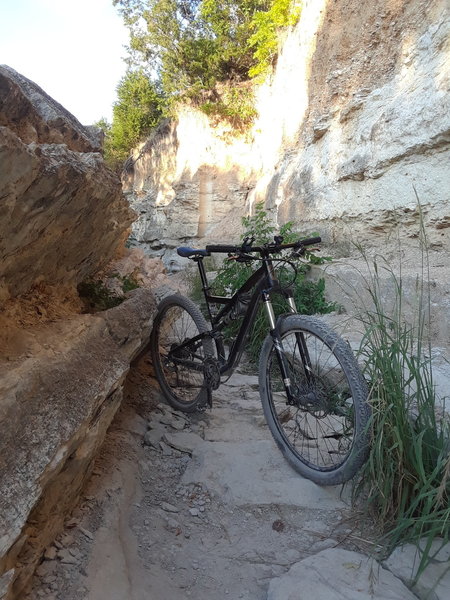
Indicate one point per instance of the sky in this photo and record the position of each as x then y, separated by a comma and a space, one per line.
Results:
73, 49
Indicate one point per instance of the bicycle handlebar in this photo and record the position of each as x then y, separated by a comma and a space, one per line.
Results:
269, 248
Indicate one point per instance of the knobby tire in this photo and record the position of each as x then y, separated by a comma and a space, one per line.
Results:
324, 433
177, 321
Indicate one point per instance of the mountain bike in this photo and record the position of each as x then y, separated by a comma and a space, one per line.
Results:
313, 394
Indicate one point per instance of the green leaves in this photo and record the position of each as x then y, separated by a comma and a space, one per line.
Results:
266, 26
137, 111
191, 45
200, 50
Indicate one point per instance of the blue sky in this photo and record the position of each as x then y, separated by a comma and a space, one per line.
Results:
73, 49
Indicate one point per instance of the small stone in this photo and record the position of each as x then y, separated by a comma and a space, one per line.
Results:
183, 441
154, 436
66, 557
193, 512
169, 507
293, 555
71, 523
165, 449
87, 533
50, 553
46, 568
174, 418
67, 540
172, 525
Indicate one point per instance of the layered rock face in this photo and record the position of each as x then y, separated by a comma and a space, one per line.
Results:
55, 407
187, 182
352, 129
62, 217
62, 213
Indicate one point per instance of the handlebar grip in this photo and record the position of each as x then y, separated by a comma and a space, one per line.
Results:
310, 241
222, 248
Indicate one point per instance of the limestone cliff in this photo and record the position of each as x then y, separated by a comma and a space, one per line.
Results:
355, 118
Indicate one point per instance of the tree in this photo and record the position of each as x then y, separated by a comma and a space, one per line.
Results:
191, 44
188, 47
137, 111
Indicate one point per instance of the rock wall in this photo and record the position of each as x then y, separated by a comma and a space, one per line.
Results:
353, 127
62, 218
62, 212
55, 408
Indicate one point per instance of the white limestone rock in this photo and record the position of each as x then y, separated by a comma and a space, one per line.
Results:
337, 574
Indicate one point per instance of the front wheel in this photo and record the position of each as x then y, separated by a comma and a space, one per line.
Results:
178, 352
323, 430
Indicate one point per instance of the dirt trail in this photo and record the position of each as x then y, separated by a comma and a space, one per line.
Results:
202, 506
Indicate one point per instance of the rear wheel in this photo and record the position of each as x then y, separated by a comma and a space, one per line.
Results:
178, 353
323, 432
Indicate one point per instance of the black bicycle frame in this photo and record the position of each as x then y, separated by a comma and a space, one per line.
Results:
264, 282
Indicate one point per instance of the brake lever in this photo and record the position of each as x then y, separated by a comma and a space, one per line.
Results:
241, 257
303, 250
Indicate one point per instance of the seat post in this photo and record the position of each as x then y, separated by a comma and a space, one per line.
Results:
205, 285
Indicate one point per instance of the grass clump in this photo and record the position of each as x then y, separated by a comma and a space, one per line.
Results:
407, 476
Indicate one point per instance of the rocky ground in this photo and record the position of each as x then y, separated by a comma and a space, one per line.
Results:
205, 507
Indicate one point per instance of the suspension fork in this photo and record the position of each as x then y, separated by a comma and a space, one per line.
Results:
279, 350
300, 338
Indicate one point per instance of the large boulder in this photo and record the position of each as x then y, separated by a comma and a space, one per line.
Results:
62, 211
62, 218
55, 408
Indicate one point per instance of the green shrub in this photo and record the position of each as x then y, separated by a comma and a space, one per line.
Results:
266, 26
97, 296
137, 111
196, 46
234, 104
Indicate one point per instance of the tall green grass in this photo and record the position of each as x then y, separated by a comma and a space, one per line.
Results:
406, 479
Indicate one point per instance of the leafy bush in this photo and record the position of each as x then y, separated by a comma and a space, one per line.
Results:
265, 38
98, 296
309, 296
234, 104
136, 112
